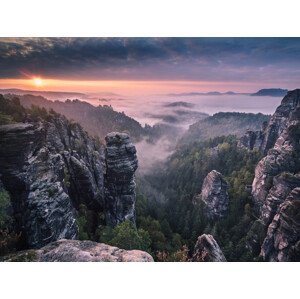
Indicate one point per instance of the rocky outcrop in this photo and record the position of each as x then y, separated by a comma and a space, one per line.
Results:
207, 250
276, 181
283, 157
53, 171
266, 138
78, 251
214, 195
283, 184
282, 243
280, 119
251, 140
121, 164
49, 168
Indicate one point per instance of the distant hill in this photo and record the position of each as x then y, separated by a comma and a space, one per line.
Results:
223, 124
47, 94
210, 93
271, 92
97, 121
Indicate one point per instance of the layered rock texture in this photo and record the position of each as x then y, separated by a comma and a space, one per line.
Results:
276, 184
251, 140
78, 251
51, 167
266, 138
282, 242
121, 164
207, 250
214, 195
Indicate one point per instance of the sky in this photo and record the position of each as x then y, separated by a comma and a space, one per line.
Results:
149, 65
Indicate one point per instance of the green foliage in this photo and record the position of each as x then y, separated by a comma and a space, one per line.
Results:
82, 227
5, 119
87, 222
126, 236
8, 238
182, 179
66, 178
223, 122
5, 219
11, 110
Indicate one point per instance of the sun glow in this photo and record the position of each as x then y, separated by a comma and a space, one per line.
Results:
37, 82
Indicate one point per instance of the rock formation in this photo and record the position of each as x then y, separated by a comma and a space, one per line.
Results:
282, 242
51, 167
266, 138
251, 140
276, 181
280, 119
283, 157
214, 195
121, 164
78, 251
207, 250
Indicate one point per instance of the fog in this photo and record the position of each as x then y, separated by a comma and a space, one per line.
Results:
180, 113
151, 155
152, 109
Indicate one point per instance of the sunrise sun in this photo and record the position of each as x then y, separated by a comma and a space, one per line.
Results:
37, 82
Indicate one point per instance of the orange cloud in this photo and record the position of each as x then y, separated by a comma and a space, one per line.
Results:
125, 87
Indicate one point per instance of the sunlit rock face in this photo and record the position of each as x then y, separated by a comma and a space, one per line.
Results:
121, 164
284, 155
214, 195
266, 138
282, 242
78, 251
49, 168
277, 182
207, 250
281, 119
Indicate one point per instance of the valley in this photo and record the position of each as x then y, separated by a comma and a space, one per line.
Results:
190, 186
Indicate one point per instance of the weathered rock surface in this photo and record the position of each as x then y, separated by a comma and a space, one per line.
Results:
121, 164
214, 195
283, 184
251, 140
275, 185
282, 242
79, 251
280, 119
207, 250
50, 167
283, 157
266, 138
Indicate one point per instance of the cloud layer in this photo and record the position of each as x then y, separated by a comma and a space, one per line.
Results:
204, 59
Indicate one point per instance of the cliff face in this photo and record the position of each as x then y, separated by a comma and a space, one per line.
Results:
78, 251
284, 157
121, 164
282, 242
266, 138
214, 195
207, 250
251, 140
277, 179
280, 119
51, 167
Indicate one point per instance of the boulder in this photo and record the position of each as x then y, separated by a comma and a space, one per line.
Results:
207, 250
78, 251
214, 195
